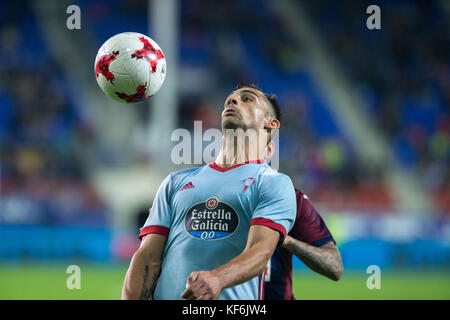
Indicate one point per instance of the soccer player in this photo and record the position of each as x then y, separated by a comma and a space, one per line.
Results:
213, 229
311, 241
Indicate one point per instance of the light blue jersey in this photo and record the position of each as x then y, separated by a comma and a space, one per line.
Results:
206, 213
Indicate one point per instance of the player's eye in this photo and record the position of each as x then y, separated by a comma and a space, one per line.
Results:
247, 99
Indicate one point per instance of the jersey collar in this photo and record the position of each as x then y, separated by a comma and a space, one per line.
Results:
218, 168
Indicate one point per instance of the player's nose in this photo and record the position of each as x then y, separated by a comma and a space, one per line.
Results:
232, 100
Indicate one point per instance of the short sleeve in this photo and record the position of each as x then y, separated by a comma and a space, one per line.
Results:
160, 217
276, 204
309, 226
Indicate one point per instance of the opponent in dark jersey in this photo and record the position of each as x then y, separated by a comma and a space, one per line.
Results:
311, 241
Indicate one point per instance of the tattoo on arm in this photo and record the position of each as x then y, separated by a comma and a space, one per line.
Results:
325, 260
146, 290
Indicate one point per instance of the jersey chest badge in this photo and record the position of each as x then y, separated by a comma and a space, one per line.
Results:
248, 182
211, 220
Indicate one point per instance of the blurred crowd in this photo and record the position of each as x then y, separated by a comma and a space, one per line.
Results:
403, 73
42, 176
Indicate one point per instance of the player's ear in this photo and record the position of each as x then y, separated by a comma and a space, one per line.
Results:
272, 123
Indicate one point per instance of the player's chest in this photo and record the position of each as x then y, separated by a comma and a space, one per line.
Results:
237, 192
215, 208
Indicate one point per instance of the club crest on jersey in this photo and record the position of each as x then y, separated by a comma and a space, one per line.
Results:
248, 182
211, 220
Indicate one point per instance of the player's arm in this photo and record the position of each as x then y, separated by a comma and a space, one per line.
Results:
250, 263
145, 266
325, 260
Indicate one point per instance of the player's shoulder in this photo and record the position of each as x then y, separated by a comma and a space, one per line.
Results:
267, 172
304, 203
302, 198
300, 194
271, 176
180, 175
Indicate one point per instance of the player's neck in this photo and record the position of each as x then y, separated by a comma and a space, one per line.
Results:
237, 150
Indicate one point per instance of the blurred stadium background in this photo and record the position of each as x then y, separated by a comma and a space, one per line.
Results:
365, 134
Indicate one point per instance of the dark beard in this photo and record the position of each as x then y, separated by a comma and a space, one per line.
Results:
232, 124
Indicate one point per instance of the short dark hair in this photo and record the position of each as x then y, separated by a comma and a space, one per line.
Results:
270, 97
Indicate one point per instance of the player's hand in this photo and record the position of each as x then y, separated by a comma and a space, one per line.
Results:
202, 285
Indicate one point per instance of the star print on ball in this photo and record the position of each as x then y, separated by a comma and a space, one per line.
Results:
149, 53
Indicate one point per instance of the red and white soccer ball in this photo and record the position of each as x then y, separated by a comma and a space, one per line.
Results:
130, 67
